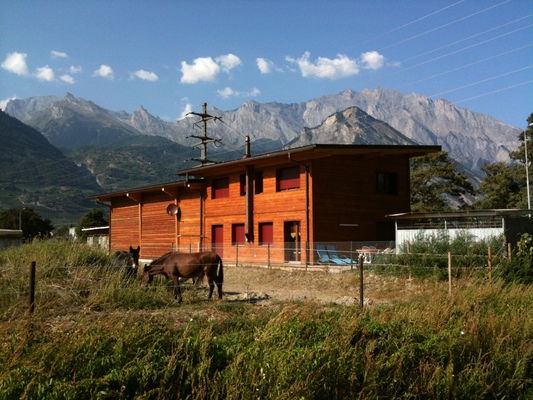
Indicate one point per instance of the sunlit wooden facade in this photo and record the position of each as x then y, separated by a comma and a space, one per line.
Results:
277, 203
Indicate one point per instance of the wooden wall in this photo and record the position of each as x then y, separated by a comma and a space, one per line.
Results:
124, 229
157, 226
269, 206
344, 193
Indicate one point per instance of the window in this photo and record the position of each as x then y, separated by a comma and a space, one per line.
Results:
243, 185
288, 178
259, 182
266, 233
237, 235
386, 183
220, 188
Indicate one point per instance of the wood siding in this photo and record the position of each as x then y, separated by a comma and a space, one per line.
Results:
346, 205
124, 227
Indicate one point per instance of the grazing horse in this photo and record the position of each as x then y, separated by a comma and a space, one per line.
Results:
129, 260
187, 265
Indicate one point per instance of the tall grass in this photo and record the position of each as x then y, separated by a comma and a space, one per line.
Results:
477, 343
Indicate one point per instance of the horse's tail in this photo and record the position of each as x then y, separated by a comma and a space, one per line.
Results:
220, 271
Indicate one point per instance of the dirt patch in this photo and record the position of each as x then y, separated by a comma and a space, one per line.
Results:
266, 285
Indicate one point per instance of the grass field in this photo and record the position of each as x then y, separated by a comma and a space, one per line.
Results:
100, 341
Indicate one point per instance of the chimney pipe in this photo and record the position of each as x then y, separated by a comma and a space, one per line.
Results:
247, 147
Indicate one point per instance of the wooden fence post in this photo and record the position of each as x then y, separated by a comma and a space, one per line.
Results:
361, 295
32, 287
509, 251
449, 272
489, 263
236, 254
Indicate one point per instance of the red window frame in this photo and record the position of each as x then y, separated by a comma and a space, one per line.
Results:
288, 178
220, 188
266, 233
237, 234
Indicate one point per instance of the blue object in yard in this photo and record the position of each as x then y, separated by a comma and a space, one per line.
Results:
325, 257
333, 254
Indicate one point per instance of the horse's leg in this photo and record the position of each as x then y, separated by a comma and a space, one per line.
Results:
219, 288
211, 282
177, 291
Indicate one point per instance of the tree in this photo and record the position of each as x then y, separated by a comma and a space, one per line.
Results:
505, 185
31, 223
90, 220
435, 181
502, 188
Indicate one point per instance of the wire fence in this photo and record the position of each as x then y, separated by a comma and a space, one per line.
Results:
82, 285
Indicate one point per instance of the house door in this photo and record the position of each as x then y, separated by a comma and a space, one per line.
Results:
291, 234
217, 241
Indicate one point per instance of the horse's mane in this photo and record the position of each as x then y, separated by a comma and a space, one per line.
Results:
160, 258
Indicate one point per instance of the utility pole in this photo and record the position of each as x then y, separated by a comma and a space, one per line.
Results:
204, 139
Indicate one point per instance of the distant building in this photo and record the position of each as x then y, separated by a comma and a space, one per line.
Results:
510, 225
97, 236
10, 237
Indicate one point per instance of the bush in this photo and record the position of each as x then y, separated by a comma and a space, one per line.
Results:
427, 255
520, 268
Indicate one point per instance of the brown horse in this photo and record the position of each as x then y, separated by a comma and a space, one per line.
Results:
187, 265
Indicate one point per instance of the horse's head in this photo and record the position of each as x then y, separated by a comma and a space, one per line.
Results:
134, 254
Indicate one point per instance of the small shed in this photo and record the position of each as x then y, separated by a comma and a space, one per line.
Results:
510, 224
10, 237
97, 236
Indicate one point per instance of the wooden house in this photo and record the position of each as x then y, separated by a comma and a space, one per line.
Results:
269, 208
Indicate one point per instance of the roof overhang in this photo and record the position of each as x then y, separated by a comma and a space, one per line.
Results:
462, 214
170, 188
307, 153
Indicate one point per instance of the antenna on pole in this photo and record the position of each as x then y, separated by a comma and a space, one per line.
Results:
204, 139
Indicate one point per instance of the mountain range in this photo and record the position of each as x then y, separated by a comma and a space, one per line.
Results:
122, 150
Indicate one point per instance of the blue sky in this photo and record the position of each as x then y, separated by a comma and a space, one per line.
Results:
172, 56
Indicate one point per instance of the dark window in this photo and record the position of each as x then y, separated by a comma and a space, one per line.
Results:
220, 188
288, 178
243, 185
266, 233
386, 183
258, 182
237, 234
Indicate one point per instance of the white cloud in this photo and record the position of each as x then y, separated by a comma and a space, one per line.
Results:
228, 92
67, 78
105, 71
16, 63
264, 65
202, 69
228, 62
336, 68
45, 74
145, 75
206, 69
74, 70
58, 54
372, 60
3, 103
187, 109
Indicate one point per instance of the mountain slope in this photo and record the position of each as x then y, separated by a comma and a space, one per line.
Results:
38, 175
471, 138
351, 126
